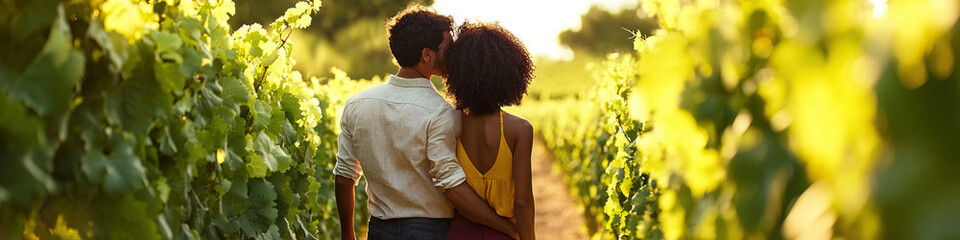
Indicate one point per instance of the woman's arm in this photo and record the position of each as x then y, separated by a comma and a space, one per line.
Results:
475, 209
523, 205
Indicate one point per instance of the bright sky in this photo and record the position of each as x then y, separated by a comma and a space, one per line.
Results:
536, 22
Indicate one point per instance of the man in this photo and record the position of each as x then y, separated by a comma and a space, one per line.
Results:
402, 136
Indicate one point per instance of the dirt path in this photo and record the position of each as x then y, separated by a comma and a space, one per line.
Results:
557, 214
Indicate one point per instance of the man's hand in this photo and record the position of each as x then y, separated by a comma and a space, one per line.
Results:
475, 209
345, 203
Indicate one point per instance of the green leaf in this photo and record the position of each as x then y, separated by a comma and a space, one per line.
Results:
261, 210
135, 105
219, 36
118, 169
169, 77
272, 233
272, 57
99, 35
128, 218
50, 92
234, 202
256, 166
33, 18
275, 127
234, 89
190, 30
171, 57
184, 104
192, 62
291, 107
26, 177
313, 192
233, 162
262, 115
288, 133
163, 189
254, 35
283, 160
208, 102
15, 123
167, 43
167, 144
136, 102
89, 117
264, 147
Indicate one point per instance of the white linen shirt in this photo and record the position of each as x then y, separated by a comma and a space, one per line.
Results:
401, 135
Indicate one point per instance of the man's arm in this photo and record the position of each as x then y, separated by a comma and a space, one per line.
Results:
346, 173
474, 208
345, 203
441, 152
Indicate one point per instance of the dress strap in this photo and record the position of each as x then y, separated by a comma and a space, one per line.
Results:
501, 123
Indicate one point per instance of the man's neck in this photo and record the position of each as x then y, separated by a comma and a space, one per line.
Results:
409, 72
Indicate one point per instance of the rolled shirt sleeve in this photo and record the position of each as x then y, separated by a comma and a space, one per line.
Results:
441, 150
347, 165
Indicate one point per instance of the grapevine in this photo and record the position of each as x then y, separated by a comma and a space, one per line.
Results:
742, 120
148, 120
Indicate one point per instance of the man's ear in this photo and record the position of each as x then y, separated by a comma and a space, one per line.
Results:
426, 55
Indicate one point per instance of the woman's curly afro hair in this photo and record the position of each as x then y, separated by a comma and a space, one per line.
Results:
487, 67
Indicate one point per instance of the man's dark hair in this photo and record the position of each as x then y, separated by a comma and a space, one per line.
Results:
487, 67
413, 29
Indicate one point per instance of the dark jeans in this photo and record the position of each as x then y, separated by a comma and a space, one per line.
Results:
408, 228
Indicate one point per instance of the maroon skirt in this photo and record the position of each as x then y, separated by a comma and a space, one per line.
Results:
462, 228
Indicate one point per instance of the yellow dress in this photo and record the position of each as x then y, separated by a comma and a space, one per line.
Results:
496, 185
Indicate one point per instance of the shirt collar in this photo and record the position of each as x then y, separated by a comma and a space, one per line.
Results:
409, 82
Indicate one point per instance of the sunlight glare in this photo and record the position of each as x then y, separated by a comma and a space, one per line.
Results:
879, 8
536, 22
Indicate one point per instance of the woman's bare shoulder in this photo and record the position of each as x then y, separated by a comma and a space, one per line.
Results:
519, 126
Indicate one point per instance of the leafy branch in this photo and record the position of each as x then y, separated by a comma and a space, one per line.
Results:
286, 27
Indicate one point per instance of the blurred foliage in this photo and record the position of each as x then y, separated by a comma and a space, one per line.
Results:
346, 34
333, 18
557, 79
770, 120
560, 86
602, 32
569, 129
360, 50
340, 14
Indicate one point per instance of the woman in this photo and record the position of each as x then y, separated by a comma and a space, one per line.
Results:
487, 68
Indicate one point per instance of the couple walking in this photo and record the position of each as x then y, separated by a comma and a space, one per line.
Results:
434, 171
